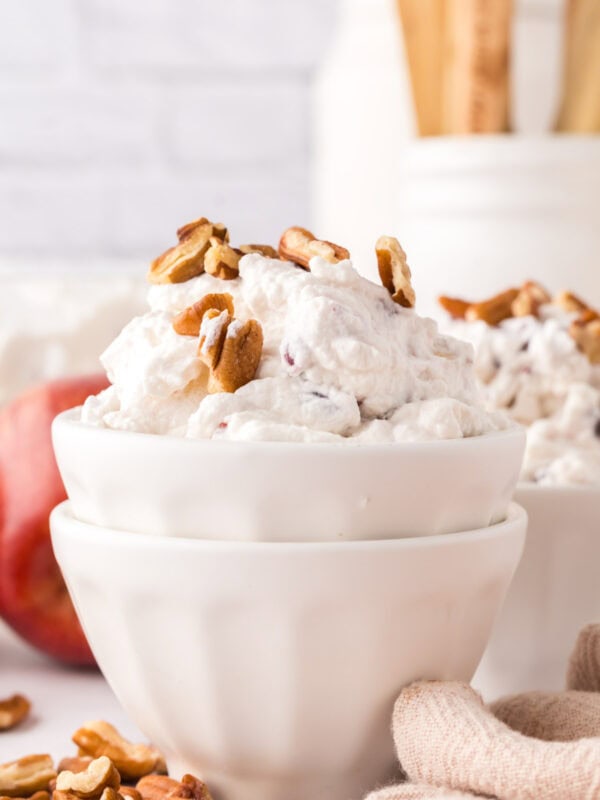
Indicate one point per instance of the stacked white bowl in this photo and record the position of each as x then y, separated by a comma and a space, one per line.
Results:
257, 607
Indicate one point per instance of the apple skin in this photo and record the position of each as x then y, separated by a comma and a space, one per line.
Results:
33, 597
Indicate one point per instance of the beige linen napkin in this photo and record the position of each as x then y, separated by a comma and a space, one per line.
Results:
533, 746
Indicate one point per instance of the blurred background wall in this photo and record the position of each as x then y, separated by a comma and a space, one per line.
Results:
119, 119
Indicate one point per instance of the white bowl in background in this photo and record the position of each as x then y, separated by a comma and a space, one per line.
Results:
499, 209
555, 592
272, 491
271, 669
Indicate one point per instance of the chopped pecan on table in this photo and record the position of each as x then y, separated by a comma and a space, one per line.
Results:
130, 792
159, 787
13, 710
26, 776
299, 245
132, 761
74, 763
394, 271
186, 259
90, 783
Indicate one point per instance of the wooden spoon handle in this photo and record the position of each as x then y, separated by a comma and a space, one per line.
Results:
476, 66
422, 25
580, 104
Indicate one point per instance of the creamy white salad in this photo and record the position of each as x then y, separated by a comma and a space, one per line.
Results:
341, 362
532, 368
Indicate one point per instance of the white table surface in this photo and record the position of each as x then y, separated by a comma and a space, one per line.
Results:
62, 700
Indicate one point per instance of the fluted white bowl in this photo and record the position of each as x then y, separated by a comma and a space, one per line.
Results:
271, 669
555, 592
275, 491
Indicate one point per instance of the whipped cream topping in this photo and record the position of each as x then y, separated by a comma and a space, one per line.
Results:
532, 369
341, 362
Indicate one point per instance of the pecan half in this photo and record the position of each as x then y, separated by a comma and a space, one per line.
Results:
186, 259
41, 795
494, 310
159, 787
394, 271
221, 260
455, 307
229, 348
91, 782
99, 738
188, 322
213, 331
25, 776
129, 791
13, 710
299, 245
569, 302
528, 302
263, 249
74, 763
239, 358
586, 333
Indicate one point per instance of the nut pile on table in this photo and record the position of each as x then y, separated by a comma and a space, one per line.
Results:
106, 767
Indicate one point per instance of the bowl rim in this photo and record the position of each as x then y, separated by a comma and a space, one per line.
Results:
531, 488
70, 418
516, 517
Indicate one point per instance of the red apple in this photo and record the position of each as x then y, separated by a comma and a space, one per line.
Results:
33, 596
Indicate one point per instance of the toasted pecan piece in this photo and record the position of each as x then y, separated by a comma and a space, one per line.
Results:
587, 315
263, 249
394, 271
221, 260
99, 738
188, 322
213, 331
13, 710
569, 302
159, 787
186, 259
531, 297
239, 357
586, 333
130, 792
41, 795
494, 310
454, 306
74, 763
91, 782
27, 775
299, 245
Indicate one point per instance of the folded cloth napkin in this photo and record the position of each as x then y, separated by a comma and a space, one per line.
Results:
532, 746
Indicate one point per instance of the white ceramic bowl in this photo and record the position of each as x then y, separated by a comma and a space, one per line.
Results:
271, 669
555, 592
284, 492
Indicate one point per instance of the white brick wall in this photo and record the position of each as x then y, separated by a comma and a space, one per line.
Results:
119, 119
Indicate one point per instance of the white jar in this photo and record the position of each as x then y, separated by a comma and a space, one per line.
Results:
478, 214
474, 214
362, 115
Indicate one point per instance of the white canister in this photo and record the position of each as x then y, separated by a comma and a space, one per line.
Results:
478, 214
